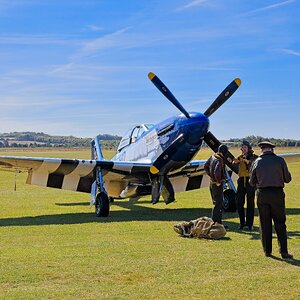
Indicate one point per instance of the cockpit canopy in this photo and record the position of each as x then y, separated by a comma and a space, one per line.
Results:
132, 135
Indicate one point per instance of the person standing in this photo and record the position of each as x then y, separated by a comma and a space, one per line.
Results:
268, 174
244, 189
215, 169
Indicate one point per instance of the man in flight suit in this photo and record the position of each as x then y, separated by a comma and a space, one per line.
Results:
268, 174
215, 169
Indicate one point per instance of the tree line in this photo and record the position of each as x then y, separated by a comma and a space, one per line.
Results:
255, 140
40, 139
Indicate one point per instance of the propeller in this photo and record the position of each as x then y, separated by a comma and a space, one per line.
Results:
209, 138
166, 92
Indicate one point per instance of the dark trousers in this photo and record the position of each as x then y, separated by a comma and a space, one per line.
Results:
217, 199
245, 189
271, 206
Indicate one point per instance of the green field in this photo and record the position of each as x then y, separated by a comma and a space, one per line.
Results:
53, 247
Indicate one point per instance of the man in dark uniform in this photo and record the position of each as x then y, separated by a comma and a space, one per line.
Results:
244, 188
268, 174
215, 169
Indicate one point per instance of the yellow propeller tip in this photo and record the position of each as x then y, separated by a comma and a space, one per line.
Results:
153, 170
238, 81
151, 75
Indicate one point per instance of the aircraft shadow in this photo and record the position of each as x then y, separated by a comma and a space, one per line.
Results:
136, 214
132, 212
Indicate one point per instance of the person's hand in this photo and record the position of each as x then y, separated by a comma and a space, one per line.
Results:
236, 161
246, 161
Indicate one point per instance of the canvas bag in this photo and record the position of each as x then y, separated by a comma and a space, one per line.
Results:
203, 227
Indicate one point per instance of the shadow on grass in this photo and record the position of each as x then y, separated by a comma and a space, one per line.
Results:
135, 214
294, 262
73, 204
132, 212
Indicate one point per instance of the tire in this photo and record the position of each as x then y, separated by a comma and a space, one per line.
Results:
229, 201
102, 205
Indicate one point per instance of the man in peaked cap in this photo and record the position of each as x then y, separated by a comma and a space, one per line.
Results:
268, 174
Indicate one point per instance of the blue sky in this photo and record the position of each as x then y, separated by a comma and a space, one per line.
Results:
80, 67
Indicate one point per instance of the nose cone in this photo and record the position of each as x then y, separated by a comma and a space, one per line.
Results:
197, 126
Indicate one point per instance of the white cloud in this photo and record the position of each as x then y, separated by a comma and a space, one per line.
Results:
193, 3
94, 27
290, 52
19, 39
272, 6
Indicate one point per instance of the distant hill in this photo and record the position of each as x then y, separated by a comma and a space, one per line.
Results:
41, 139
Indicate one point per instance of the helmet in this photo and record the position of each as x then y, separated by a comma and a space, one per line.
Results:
246, 143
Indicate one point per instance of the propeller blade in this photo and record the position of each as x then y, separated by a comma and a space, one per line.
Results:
166, 156
223, 97
214, 144
166, 92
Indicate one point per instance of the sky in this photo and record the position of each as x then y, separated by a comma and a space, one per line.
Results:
70, 67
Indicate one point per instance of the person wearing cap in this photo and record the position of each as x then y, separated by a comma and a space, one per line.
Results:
244, 189
215, 169
268, 175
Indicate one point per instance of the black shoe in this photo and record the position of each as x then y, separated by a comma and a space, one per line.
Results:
268, 254
241, 227
250, 228
286, 256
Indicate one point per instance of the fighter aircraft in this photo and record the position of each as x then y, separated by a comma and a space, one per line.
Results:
151, 160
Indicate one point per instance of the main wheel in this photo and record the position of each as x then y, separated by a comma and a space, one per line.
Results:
102, 205
229, 201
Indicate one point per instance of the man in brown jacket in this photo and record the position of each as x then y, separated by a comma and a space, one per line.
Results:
268, 174
215, 169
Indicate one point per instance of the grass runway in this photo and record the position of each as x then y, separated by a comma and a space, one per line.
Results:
53, 247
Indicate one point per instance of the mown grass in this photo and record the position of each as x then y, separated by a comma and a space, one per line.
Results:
53, 247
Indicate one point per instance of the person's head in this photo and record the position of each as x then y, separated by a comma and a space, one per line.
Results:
245, 147
266, 146
223, 149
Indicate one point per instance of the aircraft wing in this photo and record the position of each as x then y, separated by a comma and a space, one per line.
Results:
290, 157
72, 174
79, 175
193, 176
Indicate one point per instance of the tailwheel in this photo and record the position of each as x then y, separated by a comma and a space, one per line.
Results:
229, 201
102, 205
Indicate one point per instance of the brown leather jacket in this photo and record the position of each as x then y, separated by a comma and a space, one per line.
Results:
214, 167
269, 170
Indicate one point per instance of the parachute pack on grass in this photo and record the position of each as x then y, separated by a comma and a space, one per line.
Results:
203, 227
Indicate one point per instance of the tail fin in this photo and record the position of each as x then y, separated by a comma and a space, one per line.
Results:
96, 149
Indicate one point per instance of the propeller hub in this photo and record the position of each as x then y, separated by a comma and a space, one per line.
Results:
195, 127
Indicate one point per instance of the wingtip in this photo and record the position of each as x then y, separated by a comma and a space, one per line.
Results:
151, 75
238, 81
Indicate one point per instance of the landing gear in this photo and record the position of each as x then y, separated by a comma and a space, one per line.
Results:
229, 201
102, 205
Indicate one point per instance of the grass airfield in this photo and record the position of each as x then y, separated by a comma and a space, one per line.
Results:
53, 247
